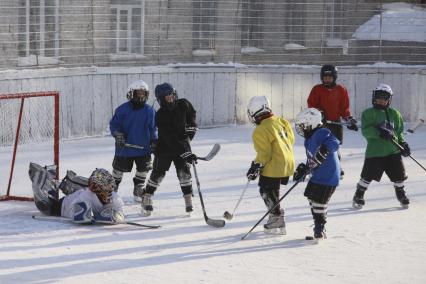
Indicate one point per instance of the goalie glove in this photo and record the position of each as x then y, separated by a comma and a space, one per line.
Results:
319, 157
109, 215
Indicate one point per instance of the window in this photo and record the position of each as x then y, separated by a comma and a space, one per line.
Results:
252, 23
335, 19
127, 24
204, 22
38, 28
295, 22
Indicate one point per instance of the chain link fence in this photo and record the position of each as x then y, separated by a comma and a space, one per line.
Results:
77, 33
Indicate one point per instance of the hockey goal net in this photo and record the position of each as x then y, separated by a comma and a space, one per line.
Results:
29, 132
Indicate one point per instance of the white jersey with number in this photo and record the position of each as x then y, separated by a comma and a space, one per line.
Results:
90, 198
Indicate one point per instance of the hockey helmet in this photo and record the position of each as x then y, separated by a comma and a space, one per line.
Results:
307, 120
138, 93
166, 95
101, 182
257, 107
328, 70
382, 92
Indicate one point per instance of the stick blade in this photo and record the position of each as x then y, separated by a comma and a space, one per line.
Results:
215, 223
213, 152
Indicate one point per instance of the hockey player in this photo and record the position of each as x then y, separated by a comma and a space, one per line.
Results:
322, 162
176, 125
133, 127
273, 140
333, 101
86, 200
382, 127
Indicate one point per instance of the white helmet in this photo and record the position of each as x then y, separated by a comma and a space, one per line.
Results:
307, 120
135, 86
383, 92
384, 88
258, 106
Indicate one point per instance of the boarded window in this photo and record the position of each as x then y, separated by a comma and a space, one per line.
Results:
204, 24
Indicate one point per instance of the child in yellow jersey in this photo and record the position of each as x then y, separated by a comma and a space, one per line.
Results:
273, 140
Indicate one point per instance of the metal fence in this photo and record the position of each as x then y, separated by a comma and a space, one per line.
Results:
71, 33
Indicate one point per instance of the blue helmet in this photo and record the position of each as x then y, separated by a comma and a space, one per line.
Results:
164, 90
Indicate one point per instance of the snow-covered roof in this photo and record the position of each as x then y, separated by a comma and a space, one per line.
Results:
400, 22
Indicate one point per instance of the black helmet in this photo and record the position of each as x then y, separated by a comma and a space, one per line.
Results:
164, 90
329, 70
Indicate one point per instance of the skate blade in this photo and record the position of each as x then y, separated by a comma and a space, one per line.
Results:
275, 231
404, 206
146, 213
356, 205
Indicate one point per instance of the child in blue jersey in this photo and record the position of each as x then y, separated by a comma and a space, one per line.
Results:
133, 127
322, 162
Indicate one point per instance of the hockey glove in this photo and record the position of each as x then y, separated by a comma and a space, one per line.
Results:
301, 171
190, 132
153, 146
189, 157
254, 170
352, 123
385, 130
120, 140
406, 151
319, 157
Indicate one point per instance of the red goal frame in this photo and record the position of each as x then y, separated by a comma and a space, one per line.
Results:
22, 97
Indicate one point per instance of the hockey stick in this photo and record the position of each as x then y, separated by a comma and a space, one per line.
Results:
273, 207
213, 152
402, 148
229, 216
212, 222
67, 220
415, 126
411, 130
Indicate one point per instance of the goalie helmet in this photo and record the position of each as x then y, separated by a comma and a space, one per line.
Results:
166, 95
138, 93
382, 92
257, 107
307, 120
101, 182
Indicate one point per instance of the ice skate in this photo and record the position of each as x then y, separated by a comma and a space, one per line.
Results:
147, 204
188, 204
319, 232
137, 193
275, 224
358, 200
402, 198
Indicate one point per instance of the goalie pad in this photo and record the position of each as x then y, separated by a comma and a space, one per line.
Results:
72, 182
43, 187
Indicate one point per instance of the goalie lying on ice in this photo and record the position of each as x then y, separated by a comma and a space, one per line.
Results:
86, 199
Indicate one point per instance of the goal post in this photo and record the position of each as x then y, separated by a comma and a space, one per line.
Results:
31, 120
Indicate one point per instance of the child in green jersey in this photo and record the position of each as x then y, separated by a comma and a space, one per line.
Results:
382, 127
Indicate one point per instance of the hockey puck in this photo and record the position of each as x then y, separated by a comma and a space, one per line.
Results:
309, 238
227, 215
